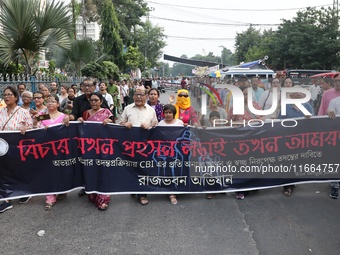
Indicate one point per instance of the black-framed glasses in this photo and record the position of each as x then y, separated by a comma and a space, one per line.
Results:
87, 85
183, 95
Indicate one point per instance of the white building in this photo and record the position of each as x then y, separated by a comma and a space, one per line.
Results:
92, 29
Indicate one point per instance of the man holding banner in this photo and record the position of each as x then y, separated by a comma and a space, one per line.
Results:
142, 115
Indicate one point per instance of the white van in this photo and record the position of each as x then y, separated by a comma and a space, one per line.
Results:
238, 72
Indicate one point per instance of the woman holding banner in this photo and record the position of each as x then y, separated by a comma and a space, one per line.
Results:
104, 115
13, 118
169, 113
54, 117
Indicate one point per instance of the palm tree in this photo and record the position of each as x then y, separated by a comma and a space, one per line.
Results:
29, 27
80, 53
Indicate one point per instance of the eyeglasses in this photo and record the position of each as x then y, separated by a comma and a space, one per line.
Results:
139, 94
37, 98
183, 95
87, 85
8, 95
26, 97
275, 82
94, 100
51, 102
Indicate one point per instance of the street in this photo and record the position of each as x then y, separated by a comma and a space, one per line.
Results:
265, 222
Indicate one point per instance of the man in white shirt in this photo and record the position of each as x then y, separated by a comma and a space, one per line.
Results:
125, 93
314, 90
334, 107
154, 83
142, 115
106, 95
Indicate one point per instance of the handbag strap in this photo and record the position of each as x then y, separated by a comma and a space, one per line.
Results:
3, 127
265, 101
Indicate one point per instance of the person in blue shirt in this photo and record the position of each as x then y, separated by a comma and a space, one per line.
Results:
257, 91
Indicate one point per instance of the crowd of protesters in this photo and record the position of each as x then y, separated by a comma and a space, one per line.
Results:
137, 103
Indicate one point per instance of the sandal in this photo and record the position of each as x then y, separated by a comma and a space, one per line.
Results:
143, 200
239, 196
173, 199
103, 207
287, 192
48, 206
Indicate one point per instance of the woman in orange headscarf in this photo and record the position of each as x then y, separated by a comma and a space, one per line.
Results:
185, 111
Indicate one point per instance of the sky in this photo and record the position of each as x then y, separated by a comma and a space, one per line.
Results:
185, 22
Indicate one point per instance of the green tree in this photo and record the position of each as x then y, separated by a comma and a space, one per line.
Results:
310, 40
182, 69
133, 58
11, 68
228, 58
129, 14
29, 27
112, 43
101, 71
164, 69
210, 57
244, 41
81, 52
150, 41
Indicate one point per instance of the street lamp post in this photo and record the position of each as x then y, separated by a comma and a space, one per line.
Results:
222, 47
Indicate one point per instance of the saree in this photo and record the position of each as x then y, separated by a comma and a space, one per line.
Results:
99, 200
98, 116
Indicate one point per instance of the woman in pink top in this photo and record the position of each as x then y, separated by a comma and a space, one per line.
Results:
56, 117
329, 95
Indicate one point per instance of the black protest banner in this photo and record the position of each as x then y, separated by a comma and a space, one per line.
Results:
112, 159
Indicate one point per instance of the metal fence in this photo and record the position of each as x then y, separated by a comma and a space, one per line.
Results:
32, 82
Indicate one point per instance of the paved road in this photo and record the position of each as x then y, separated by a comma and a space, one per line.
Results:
265, 222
